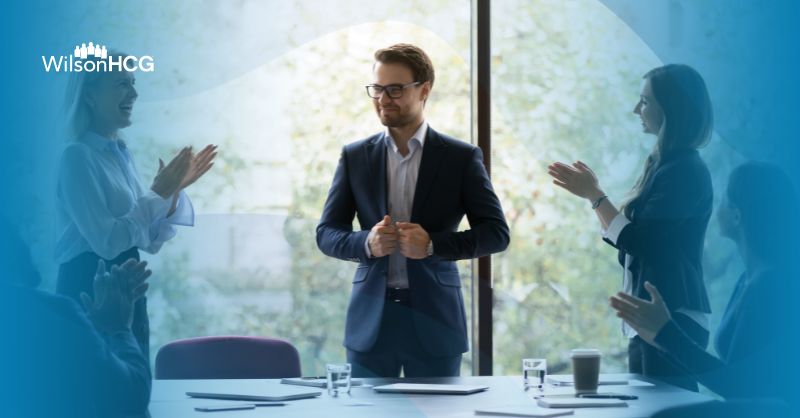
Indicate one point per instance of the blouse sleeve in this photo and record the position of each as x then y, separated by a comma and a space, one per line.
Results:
81, 192
163, 229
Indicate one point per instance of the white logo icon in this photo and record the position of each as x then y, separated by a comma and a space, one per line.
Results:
92, 51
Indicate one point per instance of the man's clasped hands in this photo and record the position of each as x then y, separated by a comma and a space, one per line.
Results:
385, 237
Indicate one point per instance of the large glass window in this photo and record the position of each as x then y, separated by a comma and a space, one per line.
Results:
565, 80
251, 265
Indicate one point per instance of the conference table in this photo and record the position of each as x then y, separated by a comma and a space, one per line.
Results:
169, 398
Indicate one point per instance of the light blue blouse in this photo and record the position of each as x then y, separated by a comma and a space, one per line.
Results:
102, 207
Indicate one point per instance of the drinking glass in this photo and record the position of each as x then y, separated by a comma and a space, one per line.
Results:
534, 371
338, 378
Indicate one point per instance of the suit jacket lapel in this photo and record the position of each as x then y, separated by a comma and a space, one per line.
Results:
432, 154
376, 164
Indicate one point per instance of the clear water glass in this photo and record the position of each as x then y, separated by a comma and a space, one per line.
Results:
534, 372
338, 378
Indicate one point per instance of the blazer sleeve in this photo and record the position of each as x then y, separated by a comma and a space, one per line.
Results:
335, 235
116, 372
488, 233
677, 195
749, 342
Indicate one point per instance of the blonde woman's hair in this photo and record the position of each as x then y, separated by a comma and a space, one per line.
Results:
78, 113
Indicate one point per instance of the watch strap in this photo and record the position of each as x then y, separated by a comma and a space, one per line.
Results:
596, 203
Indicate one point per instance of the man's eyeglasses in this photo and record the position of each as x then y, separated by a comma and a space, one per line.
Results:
394, 92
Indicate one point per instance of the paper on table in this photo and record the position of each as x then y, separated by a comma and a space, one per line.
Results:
579, 403
355, 402
523, 411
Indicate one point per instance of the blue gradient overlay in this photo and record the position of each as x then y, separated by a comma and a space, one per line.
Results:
746, 52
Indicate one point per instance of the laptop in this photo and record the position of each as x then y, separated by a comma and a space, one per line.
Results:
267, 393
430, 389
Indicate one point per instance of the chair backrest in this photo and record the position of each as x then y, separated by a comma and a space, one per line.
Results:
227, 357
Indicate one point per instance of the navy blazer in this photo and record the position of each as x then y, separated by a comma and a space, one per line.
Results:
667, 233
57, 365
452, 182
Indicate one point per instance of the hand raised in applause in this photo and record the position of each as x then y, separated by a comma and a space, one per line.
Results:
115, 295
199, 164
579, 180
647, 318
413, 240
170, 177
382, 238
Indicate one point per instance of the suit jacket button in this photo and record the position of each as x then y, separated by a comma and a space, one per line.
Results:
383, 273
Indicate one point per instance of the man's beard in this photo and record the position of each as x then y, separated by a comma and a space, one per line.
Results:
399, 121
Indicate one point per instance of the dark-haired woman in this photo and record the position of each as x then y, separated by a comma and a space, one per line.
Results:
661, 228
758, 331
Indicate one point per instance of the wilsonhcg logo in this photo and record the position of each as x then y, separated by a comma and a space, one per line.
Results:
74, 62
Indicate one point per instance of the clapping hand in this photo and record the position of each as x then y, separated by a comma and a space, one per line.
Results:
198, 165
115, 294
579, 180
647, 318
413, 240
169, 178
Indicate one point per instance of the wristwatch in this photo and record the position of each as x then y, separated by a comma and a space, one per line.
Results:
429, 248
596, 203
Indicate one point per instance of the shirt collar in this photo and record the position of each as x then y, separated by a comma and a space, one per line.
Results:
420, 135
101, 142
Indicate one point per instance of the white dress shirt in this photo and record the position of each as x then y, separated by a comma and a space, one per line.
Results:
614, 229
102, 207
401, 176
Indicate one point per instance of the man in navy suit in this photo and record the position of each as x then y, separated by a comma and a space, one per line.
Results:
410, 187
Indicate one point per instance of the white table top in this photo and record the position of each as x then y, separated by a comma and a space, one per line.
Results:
169, 399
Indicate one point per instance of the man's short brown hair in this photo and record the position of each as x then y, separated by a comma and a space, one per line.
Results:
413, 57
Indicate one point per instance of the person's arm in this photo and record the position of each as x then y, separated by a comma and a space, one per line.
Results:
710, 371
677, 194
83, 197
122, 374
676, 197
488, 233
335, 235
163, 228
653, 322
119, 370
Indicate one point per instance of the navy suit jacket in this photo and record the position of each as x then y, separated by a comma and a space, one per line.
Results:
452, 182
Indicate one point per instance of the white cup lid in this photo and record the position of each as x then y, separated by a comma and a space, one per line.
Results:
585, 353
